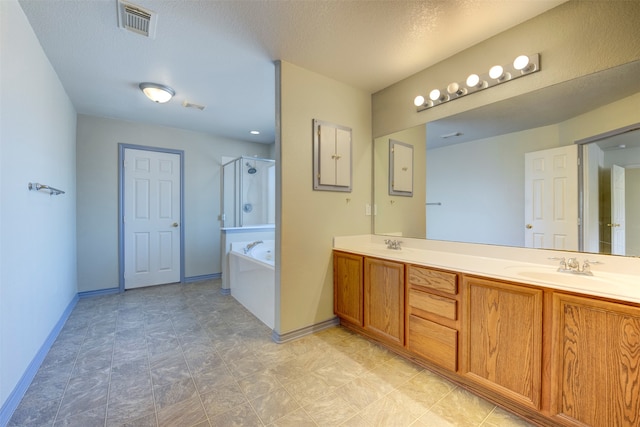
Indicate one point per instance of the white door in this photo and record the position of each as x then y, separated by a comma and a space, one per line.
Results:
151, 218
551, 198
617, 211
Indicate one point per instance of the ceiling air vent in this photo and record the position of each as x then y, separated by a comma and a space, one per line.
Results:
137, 19
187, 104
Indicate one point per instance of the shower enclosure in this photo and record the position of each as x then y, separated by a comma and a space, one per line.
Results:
248, 192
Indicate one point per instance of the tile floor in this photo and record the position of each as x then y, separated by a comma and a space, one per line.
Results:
185, 355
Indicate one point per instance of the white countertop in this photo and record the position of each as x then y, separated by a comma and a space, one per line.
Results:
530, 266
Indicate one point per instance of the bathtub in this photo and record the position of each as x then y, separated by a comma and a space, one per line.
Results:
252, 278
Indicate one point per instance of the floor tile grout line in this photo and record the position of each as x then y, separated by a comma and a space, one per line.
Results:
113, 352
191, 374
444, 396
235, 379
153, 393
487, 416
70, 375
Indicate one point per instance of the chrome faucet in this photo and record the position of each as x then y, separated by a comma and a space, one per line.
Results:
572, 265
251, 246
393, 244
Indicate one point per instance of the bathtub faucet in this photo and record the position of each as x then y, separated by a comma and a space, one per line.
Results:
251, 246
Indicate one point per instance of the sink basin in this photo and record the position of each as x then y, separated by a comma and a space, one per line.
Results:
554, 276
605, 283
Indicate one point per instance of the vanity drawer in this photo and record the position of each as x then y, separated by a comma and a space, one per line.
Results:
433, 279
433, 304
434, 342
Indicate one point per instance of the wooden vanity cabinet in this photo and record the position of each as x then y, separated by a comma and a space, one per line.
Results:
502, 344
432, 315
384, 300
348, 287
595, 362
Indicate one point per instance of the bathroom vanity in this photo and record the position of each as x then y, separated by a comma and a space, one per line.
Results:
556, 348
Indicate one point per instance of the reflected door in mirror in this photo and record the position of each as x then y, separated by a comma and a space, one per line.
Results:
551, 193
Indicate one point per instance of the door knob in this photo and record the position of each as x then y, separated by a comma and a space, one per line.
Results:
613, 225
529, 226
175, 224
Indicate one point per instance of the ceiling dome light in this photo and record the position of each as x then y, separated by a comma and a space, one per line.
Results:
156, 92
254, 132
522, 63
418, 101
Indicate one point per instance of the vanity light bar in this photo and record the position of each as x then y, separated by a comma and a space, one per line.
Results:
523, 65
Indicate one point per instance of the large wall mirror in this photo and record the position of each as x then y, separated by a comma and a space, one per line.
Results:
471, 183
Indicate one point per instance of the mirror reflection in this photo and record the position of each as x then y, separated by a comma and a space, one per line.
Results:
471, 183
611, 186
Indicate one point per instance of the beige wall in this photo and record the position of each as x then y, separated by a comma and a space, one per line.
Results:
97, 209
307, 220
574, 39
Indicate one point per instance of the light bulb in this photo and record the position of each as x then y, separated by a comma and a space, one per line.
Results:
434, 95
521, 62
454, 88
418, 101
496, 72
473, 80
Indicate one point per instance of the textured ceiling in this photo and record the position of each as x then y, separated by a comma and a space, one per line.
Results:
221, 53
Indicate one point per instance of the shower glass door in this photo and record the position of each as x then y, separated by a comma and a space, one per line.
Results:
248, 192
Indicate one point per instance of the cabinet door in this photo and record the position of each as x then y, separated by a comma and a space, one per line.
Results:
348, 287
502, 338
384, 299
331, 157
596, 362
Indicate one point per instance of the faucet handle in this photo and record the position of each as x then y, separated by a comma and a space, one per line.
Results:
563, 262
586, 265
